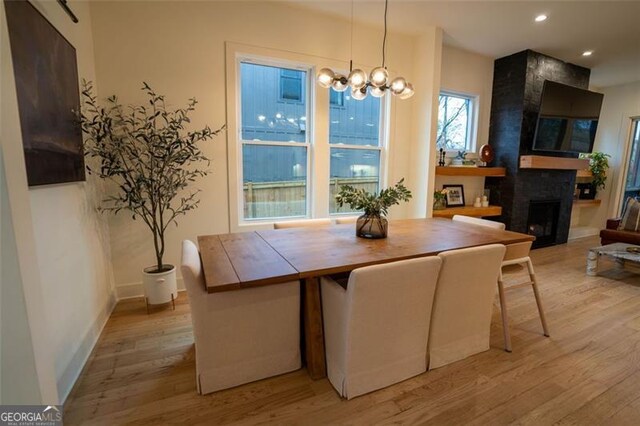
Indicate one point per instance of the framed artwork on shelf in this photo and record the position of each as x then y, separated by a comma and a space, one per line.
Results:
455, 195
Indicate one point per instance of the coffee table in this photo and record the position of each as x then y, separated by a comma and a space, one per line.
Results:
618, 252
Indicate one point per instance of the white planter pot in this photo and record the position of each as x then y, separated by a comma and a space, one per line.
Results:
160, 287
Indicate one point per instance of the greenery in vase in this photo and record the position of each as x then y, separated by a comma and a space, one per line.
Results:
148, 154
598, 165
440, 195
373, 204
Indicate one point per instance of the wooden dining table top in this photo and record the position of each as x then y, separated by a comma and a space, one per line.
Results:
247, 259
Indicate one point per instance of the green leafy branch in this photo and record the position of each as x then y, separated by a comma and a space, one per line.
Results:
371, 203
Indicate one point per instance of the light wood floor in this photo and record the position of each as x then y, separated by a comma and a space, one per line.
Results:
588, 372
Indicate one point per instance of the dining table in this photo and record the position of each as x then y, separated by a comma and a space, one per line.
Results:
241, 260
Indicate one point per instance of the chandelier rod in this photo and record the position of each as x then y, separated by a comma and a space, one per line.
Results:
384, 38
351, 48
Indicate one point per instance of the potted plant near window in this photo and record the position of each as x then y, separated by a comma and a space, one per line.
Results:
598, 166
372, 224
150, 158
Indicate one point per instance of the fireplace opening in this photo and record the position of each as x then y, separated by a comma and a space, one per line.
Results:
543, 222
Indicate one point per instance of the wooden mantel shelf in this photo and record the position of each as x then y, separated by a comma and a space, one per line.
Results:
587, 203
470, 171
469, 211
556, 163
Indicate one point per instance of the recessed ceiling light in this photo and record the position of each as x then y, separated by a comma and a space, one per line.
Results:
587, 53
541, 18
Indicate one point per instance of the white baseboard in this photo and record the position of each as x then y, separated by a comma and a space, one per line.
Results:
131, 290
74, 369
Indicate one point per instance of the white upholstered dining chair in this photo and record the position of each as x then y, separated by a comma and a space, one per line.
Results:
517, 254
463, 303
377, 329
304, 223
241, 335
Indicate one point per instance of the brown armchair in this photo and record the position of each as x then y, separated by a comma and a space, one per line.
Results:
613, 235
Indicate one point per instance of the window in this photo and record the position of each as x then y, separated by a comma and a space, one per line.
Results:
291, 85
456, 125
336, 98
355, 145
281, 165
275, 146
632, 184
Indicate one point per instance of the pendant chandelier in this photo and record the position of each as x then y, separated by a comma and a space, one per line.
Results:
376, 83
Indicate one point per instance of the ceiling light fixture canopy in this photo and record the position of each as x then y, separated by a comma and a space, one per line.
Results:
376, 83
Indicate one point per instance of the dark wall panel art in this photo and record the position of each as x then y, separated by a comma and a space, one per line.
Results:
46, 73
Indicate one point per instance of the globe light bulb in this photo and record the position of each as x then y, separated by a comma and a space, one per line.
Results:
379, 76
407, 92
377, 92
398, 85
357, 79
325, 77
359, 94
339, 83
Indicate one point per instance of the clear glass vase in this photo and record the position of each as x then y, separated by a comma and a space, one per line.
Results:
439, 204
372, 226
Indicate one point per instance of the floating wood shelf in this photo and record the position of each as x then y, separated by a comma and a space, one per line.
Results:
587, 203
584, 174
469, 211
471, 171
556, 163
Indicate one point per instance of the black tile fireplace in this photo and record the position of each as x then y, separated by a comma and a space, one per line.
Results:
518, 80
542, 221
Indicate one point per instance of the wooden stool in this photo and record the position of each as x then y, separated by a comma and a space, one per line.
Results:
514, 256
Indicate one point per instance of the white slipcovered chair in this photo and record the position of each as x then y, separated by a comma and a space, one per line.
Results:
242, 335
517, 254
478, 221
346, 220
304, 223
463, 303
377, 329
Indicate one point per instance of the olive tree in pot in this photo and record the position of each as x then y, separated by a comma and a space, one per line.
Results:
372, 224
151, 159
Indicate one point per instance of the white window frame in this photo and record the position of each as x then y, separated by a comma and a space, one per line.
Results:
382, 148
622, 180
318, 151
472, 120
306, 98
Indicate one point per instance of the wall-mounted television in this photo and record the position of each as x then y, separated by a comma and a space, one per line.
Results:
567, 120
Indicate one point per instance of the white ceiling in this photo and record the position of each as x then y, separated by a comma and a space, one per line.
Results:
499, 28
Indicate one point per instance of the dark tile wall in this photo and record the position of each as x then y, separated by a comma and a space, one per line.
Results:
517, 89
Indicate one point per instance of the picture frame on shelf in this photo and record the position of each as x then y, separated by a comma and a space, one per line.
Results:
455, 195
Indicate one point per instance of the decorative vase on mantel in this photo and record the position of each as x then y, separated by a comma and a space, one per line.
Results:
439, 203
372, 226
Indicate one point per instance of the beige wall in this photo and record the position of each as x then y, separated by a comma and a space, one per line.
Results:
613, 137
62, 242
178, 47
472, 74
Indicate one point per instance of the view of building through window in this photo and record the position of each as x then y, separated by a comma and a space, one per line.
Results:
632, 186
274, 141
356, 148
454, 125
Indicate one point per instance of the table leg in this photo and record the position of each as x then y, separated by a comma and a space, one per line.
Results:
592, 263
313, 330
